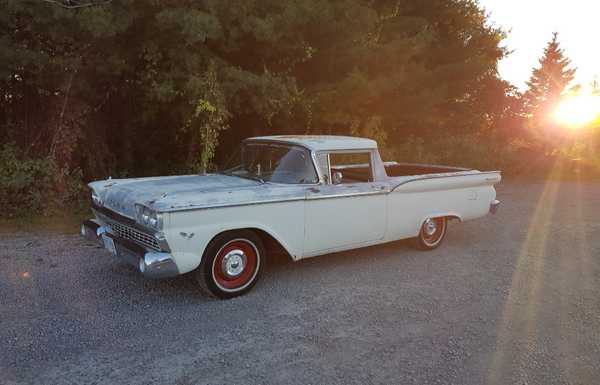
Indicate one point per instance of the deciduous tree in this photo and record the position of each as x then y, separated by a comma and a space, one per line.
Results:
145, 87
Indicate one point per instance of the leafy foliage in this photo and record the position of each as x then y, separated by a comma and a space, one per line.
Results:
145, 87
35, 185
211, 116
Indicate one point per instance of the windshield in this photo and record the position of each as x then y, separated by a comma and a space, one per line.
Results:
272, 163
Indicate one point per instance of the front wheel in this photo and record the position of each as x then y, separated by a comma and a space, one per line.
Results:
432, 233
231, 264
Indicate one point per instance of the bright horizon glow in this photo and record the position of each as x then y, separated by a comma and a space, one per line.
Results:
529, 25
578, 111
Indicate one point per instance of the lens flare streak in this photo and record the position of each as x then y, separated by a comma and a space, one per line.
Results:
519, 316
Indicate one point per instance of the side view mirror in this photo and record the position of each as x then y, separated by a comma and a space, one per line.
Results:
336, 177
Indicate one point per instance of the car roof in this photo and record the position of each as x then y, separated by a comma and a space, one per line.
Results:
321, 142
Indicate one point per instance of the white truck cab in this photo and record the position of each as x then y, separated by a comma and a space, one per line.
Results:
312, 195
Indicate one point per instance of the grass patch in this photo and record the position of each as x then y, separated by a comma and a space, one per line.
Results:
60, 223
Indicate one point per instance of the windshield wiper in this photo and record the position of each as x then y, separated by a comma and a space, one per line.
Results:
253, 177
247, 176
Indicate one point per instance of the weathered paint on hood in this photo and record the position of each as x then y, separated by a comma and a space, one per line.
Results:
173, 193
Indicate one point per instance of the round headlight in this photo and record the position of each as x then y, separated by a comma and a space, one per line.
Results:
146, 215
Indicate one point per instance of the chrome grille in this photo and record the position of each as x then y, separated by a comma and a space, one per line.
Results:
135, 235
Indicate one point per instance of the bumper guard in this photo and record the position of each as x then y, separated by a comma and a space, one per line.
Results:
151, 264
494, 206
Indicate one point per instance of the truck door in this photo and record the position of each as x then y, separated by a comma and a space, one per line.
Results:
350, 209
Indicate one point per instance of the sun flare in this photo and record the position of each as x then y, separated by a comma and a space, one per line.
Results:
578, 111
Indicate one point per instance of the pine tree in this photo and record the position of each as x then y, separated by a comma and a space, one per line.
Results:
550, 79
546, 86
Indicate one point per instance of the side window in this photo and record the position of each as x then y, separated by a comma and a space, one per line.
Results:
350, 167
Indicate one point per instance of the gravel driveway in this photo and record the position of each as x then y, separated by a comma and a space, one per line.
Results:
507, 299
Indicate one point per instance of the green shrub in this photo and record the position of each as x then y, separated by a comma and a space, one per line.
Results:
514, 159
36, 185
471, 151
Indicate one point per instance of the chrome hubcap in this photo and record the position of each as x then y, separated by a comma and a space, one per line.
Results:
430, 227
234, 263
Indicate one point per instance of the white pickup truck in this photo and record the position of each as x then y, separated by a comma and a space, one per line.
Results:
309, 195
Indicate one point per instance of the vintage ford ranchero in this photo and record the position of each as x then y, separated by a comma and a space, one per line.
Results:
309, 195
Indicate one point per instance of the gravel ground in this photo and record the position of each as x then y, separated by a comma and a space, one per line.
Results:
507, 299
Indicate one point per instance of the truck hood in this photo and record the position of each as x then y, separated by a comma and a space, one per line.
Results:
173, 193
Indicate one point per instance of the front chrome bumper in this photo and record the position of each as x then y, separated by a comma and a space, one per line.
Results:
494, 206
151, 264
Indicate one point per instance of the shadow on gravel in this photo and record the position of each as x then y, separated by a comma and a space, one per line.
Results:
184, 287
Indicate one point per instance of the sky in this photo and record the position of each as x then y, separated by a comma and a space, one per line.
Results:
530, 23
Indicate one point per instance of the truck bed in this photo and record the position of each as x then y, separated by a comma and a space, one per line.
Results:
361, 172
393, 169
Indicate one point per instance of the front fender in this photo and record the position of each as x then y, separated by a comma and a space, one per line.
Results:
190, 232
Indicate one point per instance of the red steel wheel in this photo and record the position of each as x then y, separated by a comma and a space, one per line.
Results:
232, 263
432, 232
235, 265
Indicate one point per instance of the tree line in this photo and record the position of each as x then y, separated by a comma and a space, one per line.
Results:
92, 88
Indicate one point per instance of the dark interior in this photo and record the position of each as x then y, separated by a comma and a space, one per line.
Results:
354, 174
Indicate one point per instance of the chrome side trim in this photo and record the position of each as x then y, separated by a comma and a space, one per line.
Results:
269, 201
439, 177
394, 163
347, 195
224, 205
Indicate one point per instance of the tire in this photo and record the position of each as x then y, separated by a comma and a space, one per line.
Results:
232, 264
431, 234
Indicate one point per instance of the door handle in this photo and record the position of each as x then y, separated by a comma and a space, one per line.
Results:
314, 190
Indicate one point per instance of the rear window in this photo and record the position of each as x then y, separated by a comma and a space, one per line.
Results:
355, 167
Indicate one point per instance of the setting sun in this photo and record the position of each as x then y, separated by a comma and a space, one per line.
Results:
578, 111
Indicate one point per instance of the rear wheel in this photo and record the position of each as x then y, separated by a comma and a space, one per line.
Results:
432, 233
231, 264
